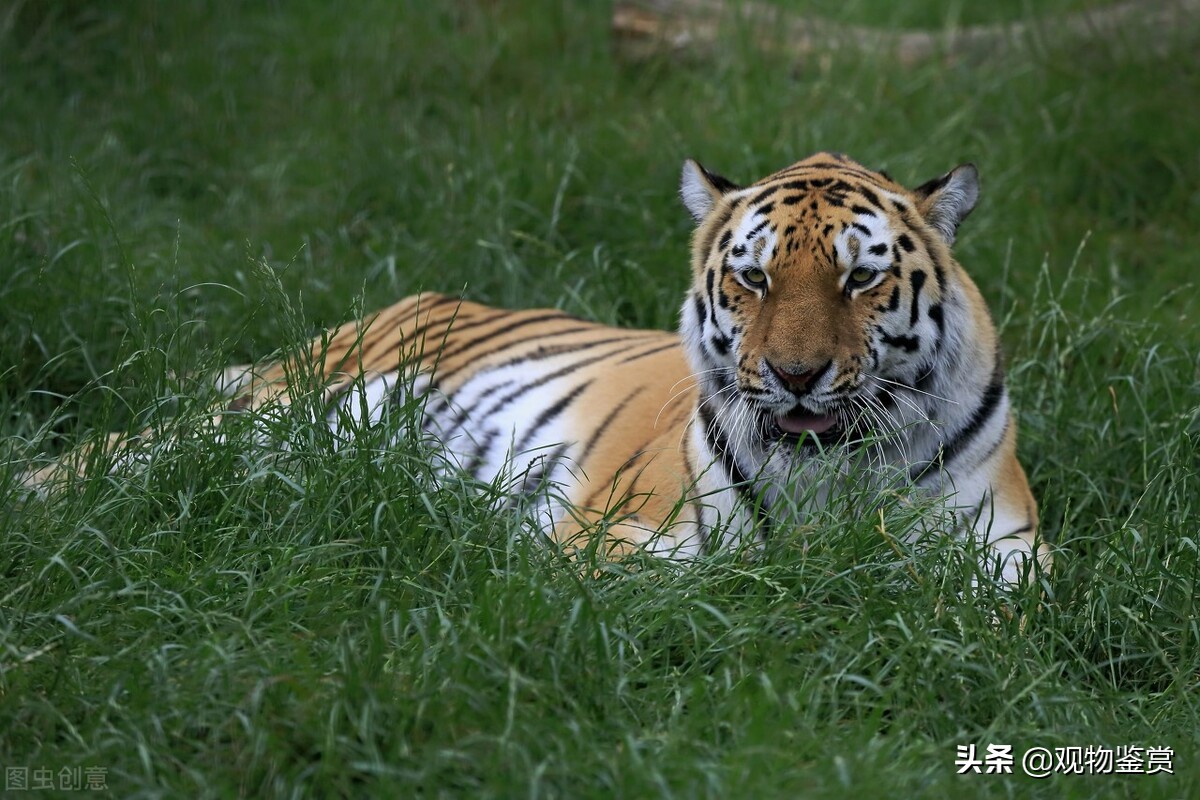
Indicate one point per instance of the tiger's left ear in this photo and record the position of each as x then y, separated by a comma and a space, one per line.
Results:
701, 189
946, 201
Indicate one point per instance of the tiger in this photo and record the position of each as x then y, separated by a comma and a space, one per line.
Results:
827, 317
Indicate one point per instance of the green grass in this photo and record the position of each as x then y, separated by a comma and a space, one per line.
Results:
224, 623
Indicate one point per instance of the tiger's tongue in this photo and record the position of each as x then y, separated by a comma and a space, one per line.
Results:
798, 422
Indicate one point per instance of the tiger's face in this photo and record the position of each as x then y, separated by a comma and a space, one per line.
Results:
820, 289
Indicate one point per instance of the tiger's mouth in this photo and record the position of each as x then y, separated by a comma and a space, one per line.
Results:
802, 426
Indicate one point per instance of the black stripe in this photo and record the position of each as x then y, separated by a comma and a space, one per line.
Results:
539, 354
481, 453
701, 313
939, 269
441, 402
754, 231
512, 326
549, 414
418, 307
454, 327
466, 412
651, 352
999, 441
712, 312
362, 333
369, 347
629, 464
534, 478
894, 300
907, 343
612, 485
714, 229
543, 353
919, 471
603, 426
918, 280
835, 199
846, 169
871, 197
499, 405
861, 173
935, 314
767, 192
716, 443
693, 482
983, 413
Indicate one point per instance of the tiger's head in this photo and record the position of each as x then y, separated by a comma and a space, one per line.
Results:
825, 287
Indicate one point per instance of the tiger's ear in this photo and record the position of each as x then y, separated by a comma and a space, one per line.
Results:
946, 201
701, 189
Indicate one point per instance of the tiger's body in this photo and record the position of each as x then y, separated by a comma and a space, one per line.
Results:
525, 400
827, 324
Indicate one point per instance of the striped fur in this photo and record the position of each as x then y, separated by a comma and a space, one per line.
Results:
828, 334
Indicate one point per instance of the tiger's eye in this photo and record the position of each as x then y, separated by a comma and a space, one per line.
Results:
861, 275
755, 277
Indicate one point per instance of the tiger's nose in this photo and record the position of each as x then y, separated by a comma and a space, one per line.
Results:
797, 381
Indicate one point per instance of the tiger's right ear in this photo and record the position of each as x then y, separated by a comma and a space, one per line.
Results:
701, 189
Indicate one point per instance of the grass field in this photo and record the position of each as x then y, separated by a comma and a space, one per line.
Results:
188, 185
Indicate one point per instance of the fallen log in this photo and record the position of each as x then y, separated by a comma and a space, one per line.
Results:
642, 28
